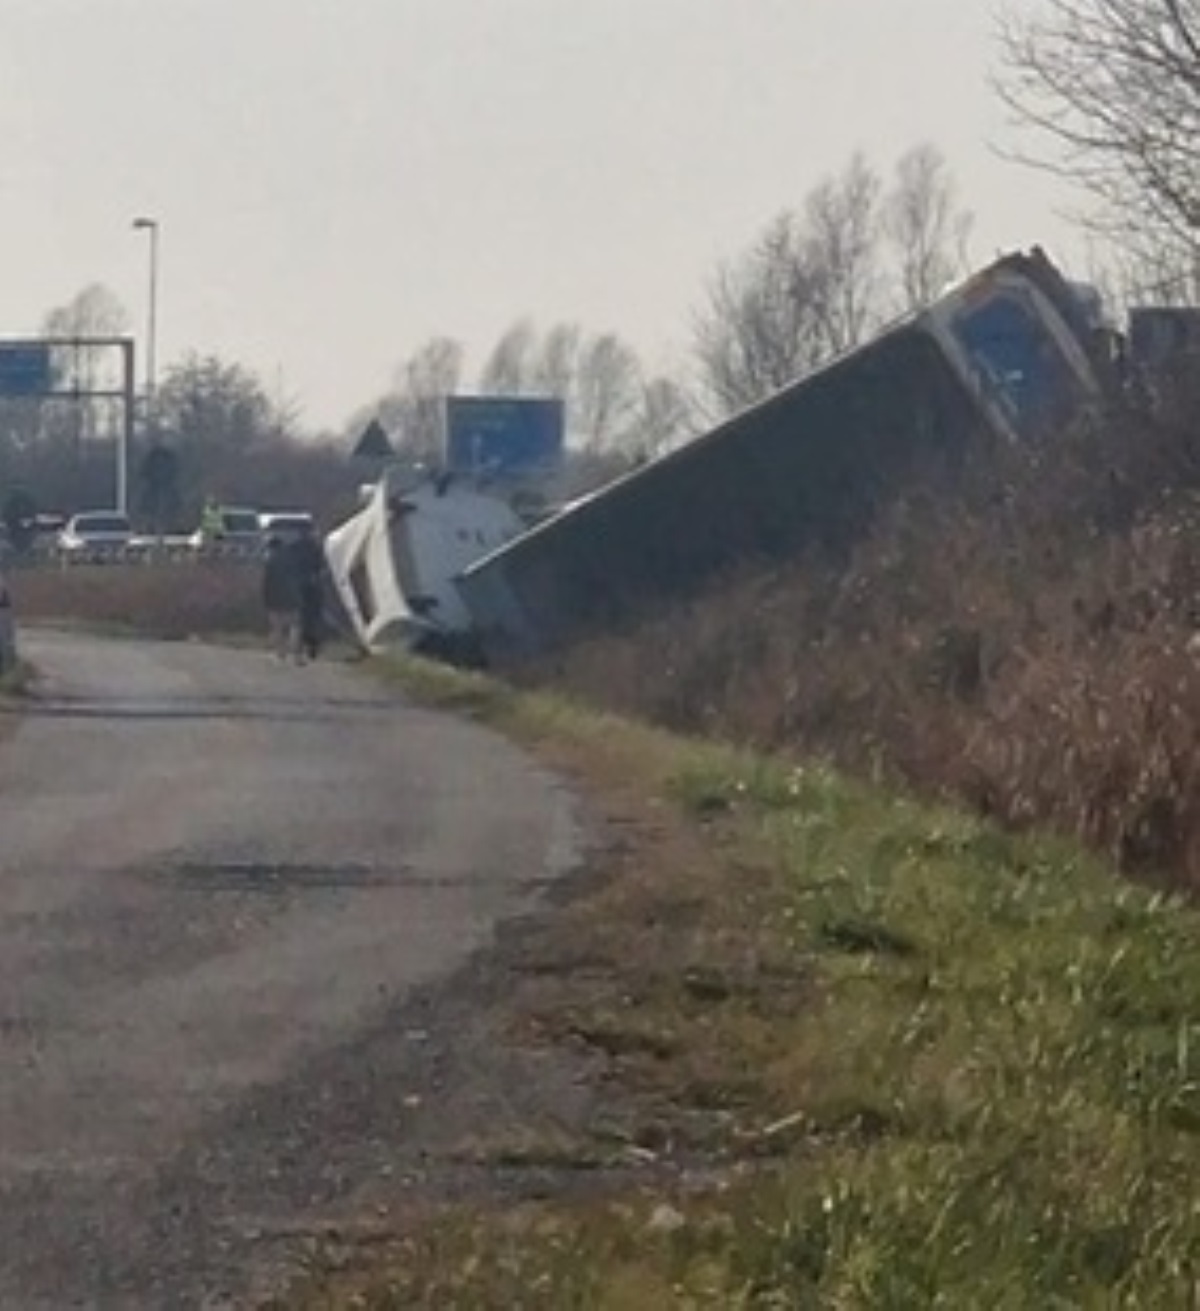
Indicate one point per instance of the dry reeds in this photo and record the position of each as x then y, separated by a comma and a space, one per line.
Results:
1021, 636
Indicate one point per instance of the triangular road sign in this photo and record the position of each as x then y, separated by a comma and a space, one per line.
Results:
374, 443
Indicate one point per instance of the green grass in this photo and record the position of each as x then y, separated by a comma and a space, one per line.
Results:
991, 1097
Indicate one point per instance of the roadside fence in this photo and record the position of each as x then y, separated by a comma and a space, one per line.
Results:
156, 552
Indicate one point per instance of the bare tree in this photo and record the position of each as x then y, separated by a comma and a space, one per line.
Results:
525, 361
807, 289
613, 408
213, 410
815, 284
667, 417
93, 312
606, 395
842, 234
212, 416
229, 438
761, 326
1115, 85
926, 227
413, 412
615, 411
510, 367
433, 370
558, 359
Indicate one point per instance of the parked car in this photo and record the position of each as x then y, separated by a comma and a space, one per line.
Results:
229, 526
286, 525
94, 534
47, 529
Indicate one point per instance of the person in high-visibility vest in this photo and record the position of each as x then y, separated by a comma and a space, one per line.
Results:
212, 525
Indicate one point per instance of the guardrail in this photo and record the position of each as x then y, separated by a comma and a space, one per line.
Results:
165, 552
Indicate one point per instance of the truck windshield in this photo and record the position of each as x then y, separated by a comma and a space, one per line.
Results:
1015, 359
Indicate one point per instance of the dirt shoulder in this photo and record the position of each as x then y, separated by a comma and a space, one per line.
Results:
560, 1064
590, 1054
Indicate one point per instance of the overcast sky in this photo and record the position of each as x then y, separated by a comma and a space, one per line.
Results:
338, 180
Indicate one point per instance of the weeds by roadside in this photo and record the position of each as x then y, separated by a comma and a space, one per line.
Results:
870, 1054
1022, 637
207, 598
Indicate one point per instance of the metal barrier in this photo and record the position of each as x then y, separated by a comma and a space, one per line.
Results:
139, 553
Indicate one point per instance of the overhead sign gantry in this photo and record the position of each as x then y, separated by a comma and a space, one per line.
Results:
28, 372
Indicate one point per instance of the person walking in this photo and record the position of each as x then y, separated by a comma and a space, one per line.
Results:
8, 641
281, 600
309, 564
212, 522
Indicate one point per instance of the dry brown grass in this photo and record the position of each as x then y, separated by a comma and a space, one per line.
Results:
210, 598
1023, 639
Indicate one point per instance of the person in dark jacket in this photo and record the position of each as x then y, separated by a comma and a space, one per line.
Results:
8, 645
281, 600
308, 561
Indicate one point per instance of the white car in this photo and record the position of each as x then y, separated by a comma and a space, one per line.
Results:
285, 525
95, 534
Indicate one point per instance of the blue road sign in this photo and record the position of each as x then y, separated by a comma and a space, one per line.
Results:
24, 370
506, 436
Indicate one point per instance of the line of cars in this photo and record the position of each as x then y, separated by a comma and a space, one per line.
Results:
103, 535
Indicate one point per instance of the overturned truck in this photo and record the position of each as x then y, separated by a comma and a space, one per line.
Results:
1012, 353
395, 562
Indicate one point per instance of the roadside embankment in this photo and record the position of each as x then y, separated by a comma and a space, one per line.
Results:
842, 1049
178, 600
1022, 636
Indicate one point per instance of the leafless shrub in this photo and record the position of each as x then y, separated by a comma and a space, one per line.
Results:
170, 601
1021, 636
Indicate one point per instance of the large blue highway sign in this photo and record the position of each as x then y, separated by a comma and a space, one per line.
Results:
506, 436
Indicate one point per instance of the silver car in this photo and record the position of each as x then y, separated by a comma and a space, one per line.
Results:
96, 535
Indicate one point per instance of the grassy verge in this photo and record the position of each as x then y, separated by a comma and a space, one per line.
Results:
851, 1052
212, 598
1019, 634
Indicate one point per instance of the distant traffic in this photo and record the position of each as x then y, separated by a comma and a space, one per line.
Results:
100, 536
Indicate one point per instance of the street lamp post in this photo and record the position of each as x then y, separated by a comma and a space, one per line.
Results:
151, 225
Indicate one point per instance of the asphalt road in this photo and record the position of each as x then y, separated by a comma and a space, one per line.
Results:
215, 872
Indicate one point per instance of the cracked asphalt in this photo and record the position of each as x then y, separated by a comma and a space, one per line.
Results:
221, 879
